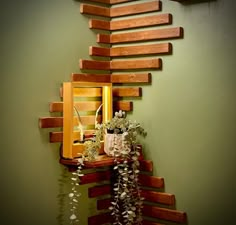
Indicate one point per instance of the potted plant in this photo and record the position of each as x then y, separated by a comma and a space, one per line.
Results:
121, 142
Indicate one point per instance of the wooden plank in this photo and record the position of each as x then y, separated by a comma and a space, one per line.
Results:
94, 10
57, 136
147, 21
131, 78
127, 92
150, 196
99, 191
120, 64
102, 78
52, 122
162, 48
68, 120
164, 214
110, 2
87, 92
158, 197
138, 22
101, 161
146, 165
136, 64
99, 51
135, 9
117, 92
94, 65
81, 106
122, 105
155, 182
95, 177
159, 34
100, 219
151, 181
99, 24
103, 203
91, 106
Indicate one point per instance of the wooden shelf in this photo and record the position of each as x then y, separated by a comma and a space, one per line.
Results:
103, 161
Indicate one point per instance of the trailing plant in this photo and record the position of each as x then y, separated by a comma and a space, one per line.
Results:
126, 205
90, 154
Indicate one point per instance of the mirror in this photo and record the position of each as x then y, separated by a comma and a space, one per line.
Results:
81, 101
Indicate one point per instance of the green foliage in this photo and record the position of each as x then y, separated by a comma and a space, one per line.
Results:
126, 205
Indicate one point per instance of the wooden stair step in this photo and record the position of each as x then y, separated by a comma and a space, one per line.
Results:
116, 91
95, 191
154, 63
83, 77
163, 48
131, 78
164, 214
135, 9
113, 78
150, 211
121, 10
110, 2
155, 197
147, 21
146, 35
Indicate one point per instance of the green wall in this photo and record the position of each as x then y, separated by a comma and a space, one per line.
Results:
189, 110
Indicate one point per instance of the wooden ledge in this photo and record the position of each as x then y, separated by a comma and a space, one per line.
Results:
103, 161
110, 2
147, 21
121, 10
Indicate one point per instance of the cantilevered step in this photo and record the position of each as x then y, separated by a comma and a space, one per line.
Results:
147, 21
154, 63
136, 50
110, 2
146, 35
121, 10
113, 78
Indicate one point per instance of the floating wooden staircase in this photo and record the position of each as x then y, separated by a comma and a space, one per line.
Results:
159, 206
128, 56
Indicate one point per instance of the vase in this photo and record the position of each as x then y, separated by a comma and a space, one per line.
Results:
115, 143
